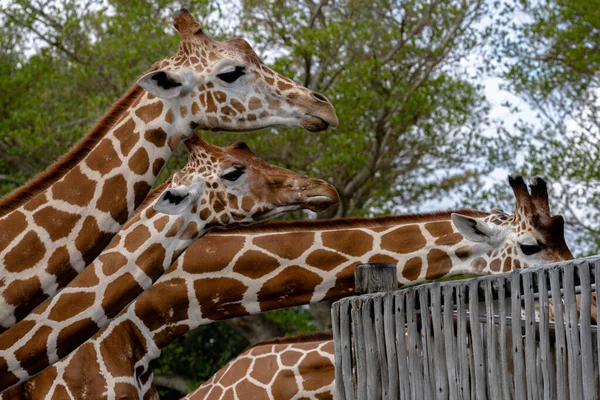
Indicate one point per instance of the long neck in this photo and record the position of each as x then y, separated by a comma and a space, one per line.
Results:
135, 258
51, 238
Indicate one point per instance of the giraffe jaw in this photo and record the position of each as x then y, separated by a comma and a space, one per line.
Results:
314, 124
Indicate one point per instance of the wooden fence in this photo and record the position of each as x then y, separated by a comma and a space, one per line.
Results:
530, 334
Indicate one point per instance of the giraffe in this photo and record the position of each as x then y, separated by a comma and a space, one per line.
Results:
223, 187
291, 368
293, 263
59, 222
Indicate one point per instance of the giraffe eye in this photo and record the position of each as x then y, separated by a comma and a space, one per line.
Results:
530, 249
233, 175
232, 76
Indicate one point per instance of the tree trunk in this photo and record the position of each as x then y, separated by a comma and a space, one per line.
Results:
321, 313
254, 328
174, 382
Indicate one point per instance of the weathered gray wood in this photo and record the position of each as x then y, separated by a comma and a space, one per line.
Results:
338, 350
389, 327
530, 346
463, 353
517, 341
546, 356
573, 349
427, 344
346, 350
360, 352
375, 277
493, 379
560, 339
450, 343
478, 352
401, 339
503, 343
441, 373
585, 332
370, 344
381, 352
414, 355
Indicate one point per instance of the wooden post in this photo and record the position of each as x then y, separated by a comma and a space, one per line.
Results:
375, 277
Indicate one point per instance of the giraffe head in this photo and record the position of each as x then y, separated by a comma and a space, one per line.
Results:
530, 236
232, 186
225, 86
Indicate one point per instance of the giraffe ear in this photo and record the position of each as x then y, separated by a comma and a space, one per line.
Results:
164, 84
473, 229
176, 200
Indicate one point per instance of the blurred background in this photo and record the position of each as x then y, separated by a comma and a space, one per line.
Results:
438, 101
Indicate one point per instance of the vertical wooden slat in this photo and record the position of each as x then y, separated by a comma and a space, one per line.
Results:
427, 345
441, 372
461, 336
573, 349
560, 348
370, 344
450, 342
360, 353
414, 356
493, 379
585, 310
338, 350
392, 359
504, 346
530, 346
517, 336
478, 353
380, 343
401, 346
546, 355
347, 369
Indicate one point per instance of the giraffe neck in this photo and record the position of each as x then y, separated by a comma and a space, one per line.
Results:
49, 239
146, 246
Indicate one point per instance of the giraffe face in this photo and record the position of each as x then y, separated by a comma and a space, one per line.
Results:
232, 186
225, 86
530, 236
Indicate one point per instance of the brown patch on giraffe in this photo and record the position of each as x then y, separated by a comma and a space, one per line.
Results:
141, 190
151, 261
36, 202
111, 262
119, 293
160, 223
238, 371
262, 367
412, 269
479, 264
438, 264
126, 136
296, 282
175, 227
255, 264
167, 335
404, 240
283, 86
221, 97
85, 382
237, 105
352, 242
69, 305
103, 158
183, 111
288, 245
517, 264
57, 223
316, 370
19, 330
249, 389
209, 256
325, 260
113, 199
495, 265
463, 252
228, 111
36, 388
191, 231
211, 107
126, 391
10, 227
254, 104
136, 238
76, 188
382, 258
507, 264
449, 240
149, 112
6, 378
169, 117
157, 137
26, 254
139, 162
157, 165
439, 228
223, 300
59, 266
156, 313
290, 357
119, 347
73, 335
344, 283
195, 108
91, 241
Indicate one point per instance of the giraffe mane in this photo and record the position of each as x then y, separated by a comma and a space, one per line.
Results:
78, 152
302, 338
341, 223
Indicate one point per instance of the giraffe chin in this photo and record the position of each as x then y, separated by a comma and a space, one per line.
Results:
314, 124
319, 203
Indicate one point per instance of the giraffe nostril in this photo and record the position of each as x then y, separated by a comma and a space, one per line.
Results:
320, 97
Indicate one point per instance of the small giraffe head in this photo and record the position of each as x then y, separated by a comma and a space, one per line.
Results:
530, 236
225, 86
232, 186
